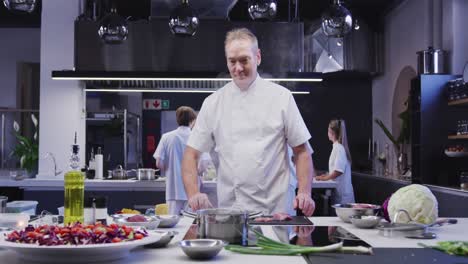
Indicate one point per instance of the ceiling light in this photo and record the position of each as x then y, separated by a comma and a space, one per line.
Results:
183, 20
113, 28
339, 42
356, 25
21, 6
337, 20
262, 9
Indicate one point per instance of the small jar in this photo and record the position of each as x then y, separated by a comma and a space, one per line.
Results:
100, 204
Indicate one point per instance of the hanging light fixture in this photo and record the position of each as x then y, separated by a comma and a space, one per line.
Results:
356, 25
337, 20
114, 28
183, 20
21, 6
262, 9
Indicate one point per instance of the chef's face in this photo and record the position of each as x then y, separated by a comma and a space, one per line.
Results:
331, 135
242, 61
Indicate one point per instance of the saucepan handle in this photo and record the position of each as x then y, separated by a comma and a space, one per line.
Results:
445, 221
255, 215
189, 214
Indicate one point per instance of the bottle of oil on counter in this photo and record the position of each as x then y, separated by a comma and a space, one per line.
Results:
74, 189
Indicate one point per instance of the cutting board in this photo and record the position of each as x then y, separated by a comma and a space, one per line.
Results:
296, 220
388, 256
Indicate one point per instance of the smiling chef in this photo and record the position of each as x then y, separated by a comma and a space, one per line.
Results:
249, 123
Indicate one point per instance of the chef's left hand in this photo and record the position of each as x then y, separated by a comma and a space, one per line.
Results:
305, 203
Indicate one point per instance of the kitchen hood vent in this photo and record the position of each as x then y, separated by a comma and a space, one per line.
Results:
153, 60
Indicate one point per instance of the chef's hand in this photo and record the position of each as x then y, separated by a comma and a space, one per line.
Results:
199, 201
322, 177
305, 203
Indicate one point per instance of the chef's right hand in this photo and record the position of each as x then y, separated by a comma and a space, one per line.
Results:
199, 201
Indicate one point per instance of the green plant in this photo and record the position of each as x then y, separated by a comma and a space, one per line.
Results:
404, 136
27, 150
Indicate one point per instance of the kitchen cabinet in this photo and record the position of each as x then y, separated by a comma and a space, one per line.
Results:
433, 120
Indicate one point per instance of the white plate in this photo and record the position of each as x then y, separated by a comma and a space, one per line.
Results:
151, 223
77, 254
456, 154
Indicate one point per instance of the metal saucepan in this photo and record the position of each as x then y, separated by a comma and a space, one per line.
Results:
223, 223
146, 174
411, 229
119, 173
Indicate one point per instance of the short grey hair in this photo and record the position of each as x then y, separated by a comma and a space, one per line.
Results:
241, 33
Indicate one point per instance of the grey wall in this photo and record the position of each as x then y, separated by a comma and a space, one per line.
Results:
18, 45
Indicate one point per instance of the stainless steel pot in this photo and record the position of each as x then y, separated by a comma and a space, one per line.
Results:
146, 174
119, 173
431, 61
223, 223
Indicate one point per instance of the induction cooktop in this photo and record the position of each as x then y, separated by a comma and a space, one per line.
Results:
298, 235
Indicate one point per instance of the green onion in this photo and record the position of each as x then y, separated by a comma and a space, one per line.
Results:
268, 246
459, 248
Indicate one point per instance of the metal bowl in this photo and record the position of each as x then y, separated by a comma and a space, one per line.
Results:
202, 248
151, 222
365, 221
345, 211
166, 237
167, 221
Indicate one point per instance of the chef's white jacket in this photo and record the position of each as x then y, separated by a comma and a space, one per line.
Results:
339, 162
249, 131
170, 151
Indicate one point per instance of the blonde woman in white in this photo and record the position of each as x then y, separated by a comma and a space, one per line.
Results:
339, 164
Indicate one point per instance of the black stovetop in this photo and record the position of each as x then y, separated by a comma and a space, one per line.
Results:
299, 235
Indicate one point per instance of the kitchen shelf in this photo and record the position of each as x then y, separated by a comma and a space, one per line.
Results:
458, 137
459, 102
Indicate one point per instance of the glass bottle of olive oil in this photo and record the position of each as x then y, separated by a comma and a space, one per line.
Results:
74, 189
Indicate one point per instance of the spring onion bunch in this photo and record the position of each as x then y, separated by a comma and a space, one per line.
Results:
459, 248
268, 246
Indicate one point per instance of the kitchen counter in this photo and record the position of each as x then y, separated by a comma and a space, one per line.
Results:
94, 185
172, 254
110, 185
375, 188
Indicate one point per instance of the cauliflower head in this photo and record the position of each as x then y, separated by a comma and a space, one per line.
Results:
418, 200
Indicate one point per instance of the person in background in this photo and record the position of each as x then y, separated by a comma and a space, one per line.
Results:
169, 155
249, 123
339, 164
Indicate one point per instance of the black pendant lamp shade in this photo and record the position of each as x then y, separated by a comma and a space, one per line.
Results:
113, 28
20, 6
183, 20
337, 20
262, 9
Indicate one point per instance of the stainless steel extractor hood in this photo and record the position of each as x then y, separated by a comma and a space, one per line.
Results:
152, 58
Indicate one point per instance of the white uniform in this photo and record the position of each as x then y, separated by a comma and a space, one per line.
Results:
339, 162
250, 131
170, 151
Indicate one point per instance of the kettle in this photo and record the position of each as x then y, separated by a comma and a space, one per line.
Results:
431, 61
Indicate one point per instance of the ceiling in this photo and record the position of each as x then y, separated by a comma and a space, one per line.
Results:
369, 11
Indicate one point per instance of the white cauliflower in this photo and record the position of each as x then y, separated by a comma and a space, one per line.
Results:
418, 200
